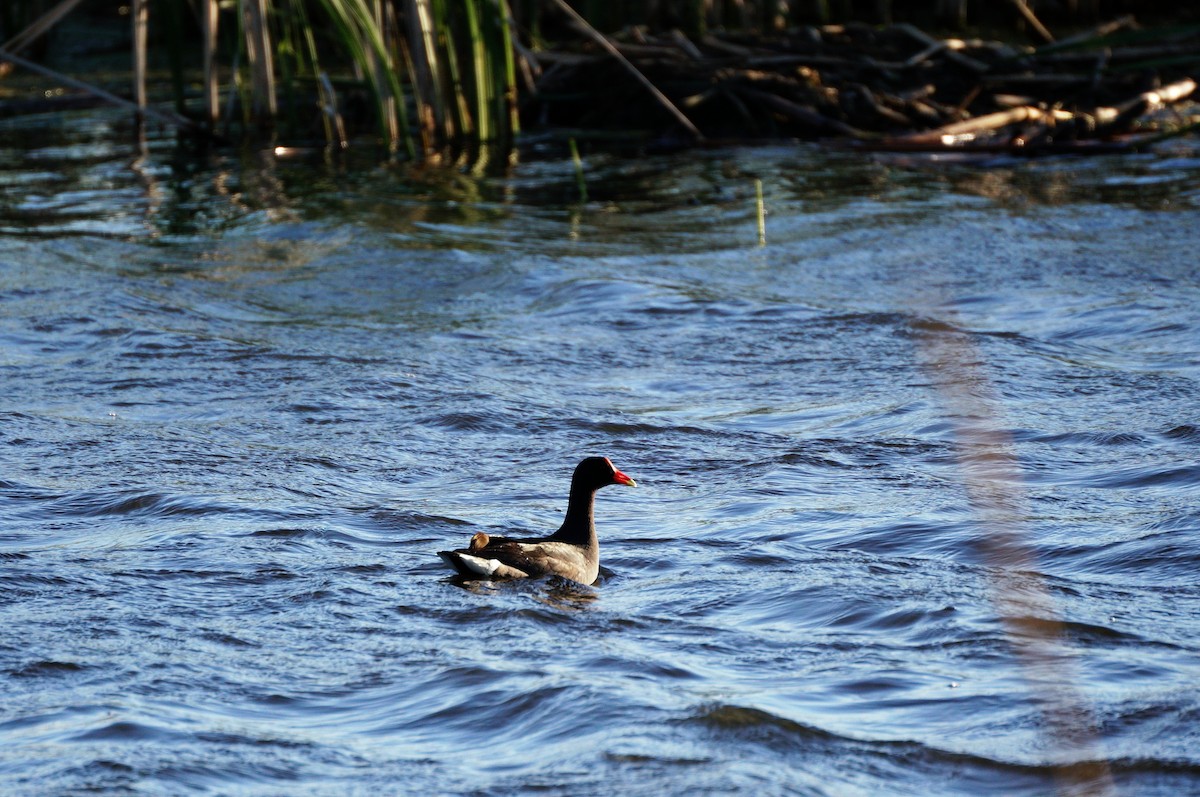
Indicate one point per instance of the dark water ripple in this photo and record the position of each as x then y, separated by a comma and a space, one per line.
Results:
235, 433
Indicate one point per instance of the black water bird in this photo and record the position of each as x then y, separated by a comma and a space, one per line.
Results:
571, 552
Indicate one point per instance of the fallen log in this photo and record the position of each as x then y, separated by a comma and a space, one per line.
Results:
967, 130
1053, 130
1112, 120
1151, 100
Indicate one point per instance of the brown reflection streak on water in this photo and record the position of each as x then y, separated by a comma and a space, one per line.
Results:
1032, 621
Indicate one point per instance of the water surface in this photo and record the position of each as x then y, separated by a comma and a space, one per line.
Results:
918, 507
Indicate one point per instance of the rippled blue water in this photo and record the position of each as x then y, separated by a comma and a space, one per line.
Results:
918, 509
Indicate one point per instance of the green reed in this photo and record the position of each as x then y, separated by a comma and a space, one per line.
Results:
760, 212
471, 81
450, 60
580, 182
363, 36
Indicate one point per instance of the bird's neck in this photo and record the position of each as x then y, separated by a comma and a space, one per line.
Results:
579, 527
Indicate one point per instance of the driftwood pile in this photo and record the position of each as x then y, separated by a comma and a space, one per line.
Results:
1112, 88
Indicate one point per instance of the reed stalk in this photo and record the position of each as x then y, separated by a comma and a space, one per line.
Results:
580, 183
479, 64
260, 60
330, 115
505, 73
426, 71
361, 32
209, 19
761, 212
469, 84
381, 61
141, 20
463, 126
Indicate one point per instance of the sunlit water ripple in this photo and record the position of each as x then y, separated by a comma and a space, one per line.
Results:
244, 405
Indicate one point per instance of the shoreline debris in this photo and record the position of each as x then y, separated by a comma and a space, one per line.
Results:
895, 88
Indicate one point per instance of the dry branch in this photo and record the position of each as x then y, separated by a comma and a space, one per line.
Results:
1033, 21
167, 117
641, 78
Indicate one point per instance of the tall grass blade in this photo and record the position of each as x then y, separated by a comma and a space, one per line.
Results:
333, 119
482, 111
366, 43
379, 61
464, 126
580, 183
209, 18
761, 212
508, 88
261, 63
141, 21
425, 70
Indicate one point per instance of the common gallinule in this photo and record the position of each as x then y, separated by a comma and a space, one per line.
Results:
571, 552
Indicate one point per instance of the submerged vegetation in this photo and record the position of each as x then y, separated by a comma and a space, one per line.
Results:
429, 76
